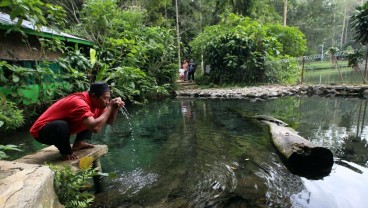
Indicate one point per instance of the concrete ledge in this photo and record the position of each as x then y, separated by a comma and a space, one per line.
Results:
51, 155
26, 185
28, 182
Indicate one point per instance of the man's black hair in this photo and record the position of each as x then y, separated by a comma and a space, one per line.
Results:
98, 88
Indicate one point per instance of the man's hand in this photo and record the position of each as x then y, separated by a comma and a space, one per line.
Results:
117, 102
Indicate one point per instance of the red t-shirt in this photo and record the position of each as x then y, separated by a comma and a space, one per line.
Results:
72, 109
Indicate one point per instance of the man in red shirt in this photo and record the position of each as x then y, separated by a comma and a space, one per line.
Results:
79, 113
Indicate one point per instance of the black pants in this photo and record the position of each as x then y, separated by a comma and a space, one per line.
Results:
58, 133
191, 75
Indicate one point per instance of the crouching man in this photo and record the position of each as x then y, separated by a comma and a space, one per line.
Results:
81, 113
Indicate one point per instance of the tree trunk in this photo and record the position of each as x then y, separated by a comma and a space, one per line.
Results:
338, 68
285, 12
301, 156
365, 66
177, 31
343, 28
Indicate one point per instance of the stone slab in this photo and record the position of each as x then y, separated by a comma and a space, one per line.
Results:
27, 185
51, 155
29, 182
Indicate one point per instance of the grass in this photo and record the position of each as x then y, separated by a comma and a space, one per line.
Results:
317, 65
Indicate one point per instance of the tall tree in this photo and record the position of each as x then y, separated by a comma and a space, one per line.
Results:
285, 12
316, 19
72, 7
267, 11
177, 31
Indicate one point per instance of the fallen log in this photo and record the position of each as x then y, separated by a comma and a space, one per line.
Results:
300, 156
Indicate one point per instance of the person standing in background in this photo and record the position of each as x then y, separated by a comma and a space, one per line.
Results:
191, 70
181, 74
185, 67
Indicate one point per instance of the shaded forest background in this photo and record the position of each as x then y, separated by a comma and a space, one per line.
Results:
140, 44
322, 21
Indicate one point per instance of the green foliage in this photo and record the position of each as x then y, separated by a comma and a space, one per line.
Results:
10, 116
238, 49
78, 68
15, 79
359, 22
264, 12
282, 71
97, 19
8, 147
354, 59
232, 49
316, 20
35, 11
68, 185
142, 56
292, 39
133, 84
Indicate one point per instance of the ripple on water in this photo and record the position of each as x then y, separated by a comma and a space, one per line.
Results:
132, 182
215, 182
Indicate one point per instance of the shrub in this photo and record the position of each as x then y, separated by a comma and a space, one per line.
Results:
10, 116
68, 184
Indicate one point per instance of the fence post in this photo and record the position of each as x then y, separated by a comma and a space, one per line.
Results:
303, 61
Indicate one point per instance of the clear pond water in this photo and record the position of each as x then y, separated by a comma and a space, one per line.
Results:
203, 153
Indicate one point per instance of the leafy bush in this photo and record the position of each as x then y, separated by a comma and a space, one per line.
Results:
239, 48
8, 147
10, 116
137, 59
17, 79
292, 39
282, 71
68, 184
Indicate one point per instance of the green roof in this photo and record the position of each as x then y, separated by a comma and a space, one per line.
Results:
6, 23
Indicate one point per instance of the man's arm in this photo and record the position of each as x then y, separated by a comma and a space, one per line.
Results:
120, 104
108, 116
96, 124
112, 116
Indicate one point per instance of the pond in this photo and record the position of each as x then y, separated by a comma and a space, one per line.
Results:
327, 76
202, 153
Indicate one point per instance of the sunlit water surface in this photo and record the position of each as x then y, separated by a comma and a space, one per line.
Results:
203, 153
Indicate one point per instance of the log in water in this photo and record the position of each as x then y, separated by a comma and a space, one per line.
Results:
300, 156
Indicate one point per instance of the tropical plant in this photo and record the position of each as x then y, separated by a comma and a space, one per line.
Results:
10, 116
16, 79
35, 11
292, 39
69, 184
332, 52
282, 70
8, 147
78, 68
354, 59
238, 49
142, 56
359, 23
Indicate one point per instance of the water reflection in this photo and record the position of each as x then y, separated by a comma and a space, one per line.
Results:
344, 188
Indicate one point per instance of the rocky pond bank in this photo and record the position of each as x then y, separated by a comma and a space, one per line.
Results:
266, 92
